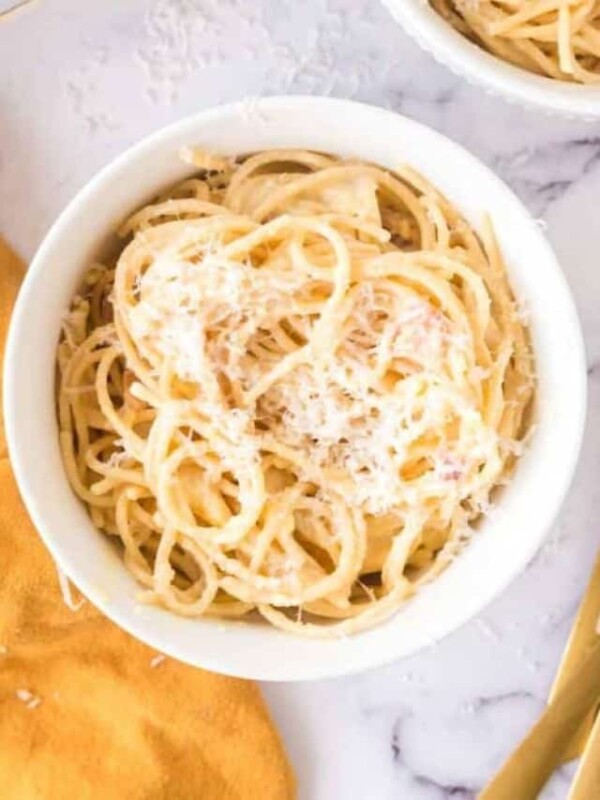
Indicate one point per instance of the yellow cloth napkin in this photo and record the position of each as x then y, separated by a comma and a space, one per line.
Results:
85, 710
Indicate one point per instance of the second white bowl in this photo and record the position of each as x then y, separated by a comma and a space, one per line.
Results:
479, 67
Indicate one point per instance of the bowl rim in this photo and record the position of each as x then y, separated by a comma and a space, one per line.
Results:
481, 68
21, 457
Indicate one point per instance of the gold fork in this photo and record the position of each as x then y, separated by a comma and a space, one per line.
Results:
563, 730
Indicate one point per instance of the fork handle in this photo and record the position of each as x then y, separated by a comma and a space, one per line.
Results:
524, 774
586, 783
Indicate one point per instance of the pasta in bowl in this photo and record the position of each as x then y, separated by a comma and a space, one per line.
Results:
540, 54
294, 391
560, 40
290, 391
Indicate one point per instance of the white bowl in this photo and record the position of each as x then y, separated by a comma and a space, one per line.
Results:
506, 542
470, 61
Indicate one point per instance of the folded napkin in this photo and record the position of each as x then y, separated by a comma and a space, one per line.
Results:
88, 712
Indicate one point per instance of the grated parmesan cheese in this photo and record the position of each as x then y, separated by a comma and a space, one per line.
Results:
181, 301
30, 700
212, 316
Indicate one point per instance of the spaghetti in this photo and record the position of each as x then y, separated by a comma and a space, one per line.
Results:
294, 390
559, 39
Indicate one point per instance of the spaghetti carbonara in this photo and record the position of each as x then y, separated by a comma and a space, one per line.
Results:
556, 38
294, 390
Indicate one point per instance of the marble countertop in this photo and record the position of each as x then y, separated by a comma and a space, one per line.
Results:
81, 81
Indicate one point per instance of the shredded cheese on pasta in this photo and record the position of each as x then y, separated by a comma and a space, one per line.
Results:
294, 390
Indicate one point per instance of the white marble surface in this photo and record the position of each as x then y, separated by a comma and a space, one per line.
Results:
79, 81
